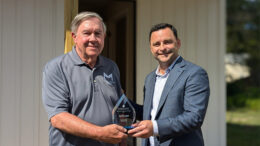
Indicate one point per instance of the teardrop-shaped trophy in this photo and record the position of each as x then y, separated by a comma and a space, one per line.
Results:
124, 113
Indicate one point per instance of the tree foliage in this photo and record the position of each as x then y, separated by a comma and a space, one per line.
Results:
243, 33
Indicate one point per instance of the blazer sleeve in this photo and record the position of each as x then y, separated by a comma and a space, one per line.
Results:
195, 102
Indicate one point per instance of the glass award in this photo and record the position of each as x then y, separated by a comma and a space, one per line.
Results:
124, 113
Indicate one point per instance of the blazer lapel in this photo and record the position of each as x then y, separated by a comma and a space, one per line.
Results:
173, 76
149, 97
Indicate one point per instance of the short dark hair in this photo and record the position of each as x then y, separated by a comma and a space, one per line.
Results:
162, 26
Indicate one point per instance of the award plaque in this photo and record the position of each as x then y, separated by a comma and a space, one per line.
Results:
124, 113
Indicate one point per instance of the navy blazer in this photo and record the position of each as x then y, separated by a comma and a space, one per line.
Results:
182, 105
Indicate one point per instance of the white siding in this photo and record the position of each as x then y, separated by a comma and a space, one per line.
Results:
31, 33
201, 28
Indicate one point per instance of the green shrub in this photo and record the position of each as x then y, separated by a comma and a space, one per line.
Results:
241, 95
238, 101
253, 104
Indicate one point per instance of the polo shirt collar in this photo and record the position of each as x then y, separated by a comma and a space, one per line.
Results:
77, 61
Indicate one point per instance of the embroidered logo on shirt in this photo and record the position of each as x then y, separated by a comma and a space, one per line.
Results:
109, 78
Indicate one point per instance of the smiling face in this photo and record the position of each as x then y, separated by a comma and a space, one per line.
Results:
164, 46
89, 39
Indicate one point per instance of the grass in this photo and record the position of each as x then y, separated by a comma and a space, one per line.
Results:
244, 117
243, 135
243, 127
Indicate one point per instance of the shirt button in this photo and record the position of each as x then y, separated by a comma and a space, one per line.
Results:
94, 81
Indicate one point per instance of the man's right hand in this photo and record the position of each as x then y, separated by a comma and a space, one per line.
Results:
112, 134
74, 125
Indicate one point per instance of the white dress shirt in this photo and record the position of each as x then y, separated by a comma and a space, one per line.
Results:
158, 89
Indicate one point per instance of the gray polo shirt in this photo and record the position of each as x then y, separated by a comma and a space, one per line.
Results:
70, 85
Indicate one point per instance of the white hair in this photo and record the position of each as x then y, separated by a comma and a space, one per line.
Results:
84, 16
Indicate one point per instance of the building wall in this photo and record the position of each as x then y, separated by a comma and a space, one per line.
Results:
201, 28
30, 34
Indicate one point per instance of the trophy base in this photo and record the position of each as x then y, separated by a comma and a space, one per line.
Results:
128, 127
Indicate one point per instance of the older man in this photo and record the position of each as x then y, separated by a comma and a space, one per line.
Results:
81, 88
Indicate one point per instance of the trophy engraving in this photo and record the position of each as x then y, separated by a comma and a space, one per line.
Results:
124, 113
